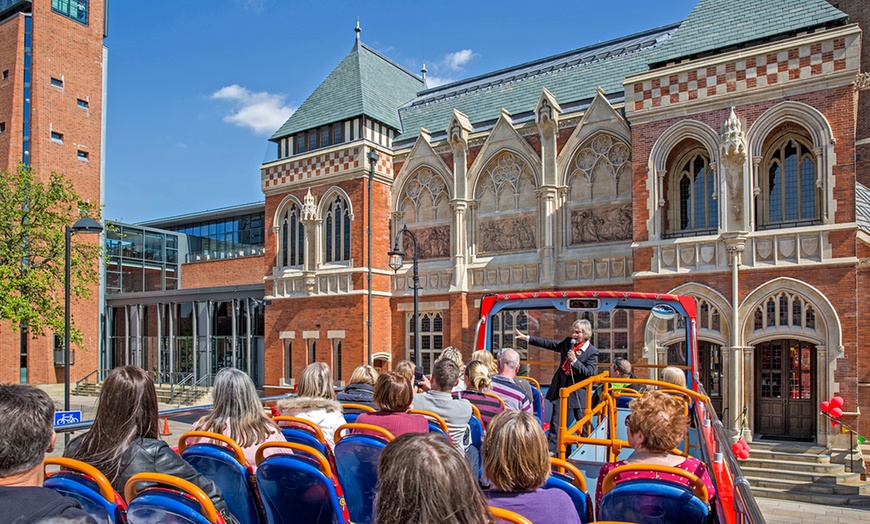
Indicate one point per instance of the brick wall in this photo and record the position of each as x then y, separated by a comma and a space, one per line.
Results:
228, 272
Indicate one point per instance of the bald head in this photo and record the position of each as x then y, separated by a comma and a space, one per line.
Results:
508, 363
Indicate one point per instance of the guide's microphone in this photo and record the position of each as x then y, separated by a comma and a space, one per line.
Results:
573, 342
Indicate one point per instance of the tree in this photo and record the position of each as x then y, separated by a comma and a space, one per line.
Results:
33, 215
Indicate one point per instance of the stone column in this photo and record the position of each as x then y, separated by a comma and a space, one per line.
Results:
547, 117
459, 128
735, 394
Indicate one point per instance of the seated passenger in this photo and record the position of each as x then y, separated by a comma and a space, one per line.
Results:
315, 401
485, 357
477, 381
26, 433
516, 461
504, 382
124, 439
238, 414
455, 412
621, 368
455, 355
406, 369
361, 387
656, 425
393, 396
424, 480
674, 376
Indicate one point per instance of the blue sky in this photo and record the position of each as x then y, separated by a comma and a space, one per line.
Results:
195, 88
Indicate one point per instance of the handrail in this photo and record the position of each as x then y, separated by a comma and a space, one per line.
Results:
92, 373
180, 385
192, 391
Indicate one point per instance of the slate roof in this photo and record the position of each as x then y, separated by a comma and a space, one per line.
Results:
572, 77
719, 24
862, 206
365, 82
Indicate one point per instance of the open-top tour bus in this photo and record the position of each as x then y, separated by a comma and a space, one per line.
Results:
656, 330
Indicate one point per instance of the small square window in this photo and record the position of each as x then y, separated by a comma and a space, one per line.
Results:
82, 103
56, 82
83, 155
2, 127
5, 74
57, 137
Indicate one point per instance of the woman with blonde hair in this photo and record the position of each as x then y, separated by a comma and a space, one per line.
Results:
315, 400
656, 425
406, 369
424, 480
477, 381
393, 396
674, 376
516, 461
484, 356
238, 414
361, 386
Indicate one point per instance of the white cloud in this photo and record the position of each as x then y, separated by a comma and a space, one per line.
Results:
435, 81
455, 61
260, 111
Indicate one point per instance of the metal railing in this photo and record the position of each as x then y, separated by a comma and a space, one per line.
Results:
179, 387
99, 374
197, 389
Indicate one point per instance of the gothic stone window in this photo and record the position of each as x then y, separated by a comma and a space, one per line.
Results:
599, 182
692, 205
431, 338
336, 231
292, 237
506, 206
425, 207
789, 195
784, 310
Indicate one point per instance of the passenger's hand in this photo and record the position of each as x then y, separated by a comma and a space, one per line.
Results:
520, 335
424, 383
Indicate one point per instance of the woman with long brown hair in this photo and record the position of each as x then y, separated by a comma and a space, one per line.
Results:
124, 438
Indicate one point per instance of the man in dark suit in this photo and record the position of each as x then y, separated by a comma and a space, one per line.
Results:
579, 362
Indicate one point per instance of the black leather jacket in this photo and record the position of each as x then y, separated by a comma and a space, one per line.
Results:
155, 456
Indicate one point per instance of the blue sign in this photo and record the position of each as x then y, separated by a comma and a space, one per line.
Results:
62, 418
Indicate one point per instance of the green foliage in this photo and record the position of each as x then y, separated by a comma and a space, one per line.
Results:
33, 214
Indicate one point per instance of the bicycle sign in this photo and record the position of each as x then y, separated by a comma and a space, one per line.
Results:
62, 418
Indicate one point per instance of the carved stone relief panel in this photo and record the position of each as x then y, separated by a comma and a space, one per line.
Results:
603, 223
432, 242
601, 169
507, 234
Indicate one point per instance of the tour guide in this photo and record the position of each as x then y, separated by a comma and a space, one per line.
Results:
579, 361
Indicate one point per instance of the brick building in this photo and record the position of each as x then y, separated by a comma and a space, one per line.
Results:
52, 84
724, 157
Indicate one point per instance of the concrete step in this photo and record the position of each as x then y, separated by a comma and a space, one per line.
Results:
817, 488
787, 447
810, 458
801, 476
815, 498
783, 464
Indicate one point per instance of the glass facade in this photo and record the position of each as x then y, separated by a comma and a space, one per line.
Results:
74, 9
141, 259
231, 237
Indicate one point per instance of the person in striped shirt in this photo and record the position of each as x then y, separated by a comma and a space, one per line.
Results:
503, 383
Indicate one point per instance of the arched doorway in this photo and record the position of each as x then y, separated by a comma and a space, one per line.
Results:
785, 378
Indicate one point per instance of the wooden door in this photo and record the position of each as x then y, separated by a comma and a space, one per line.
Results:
785, 405
710, 371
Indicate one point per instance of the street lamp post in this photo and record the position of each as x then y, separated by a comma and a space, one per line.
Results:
396, 261
373, 159
83, 225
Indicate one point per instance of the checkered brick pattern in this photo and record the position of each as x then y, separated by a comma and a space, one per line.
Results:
758, 71
321, 165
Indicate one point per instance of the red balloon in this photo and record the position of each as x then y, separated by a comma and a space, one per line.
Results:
743, 454
836, 402
744, 445
825, 406
833, 423
735, 448
836, 412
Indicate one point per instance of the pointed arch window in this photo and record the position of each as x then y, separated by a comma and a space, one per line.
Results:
292, 238
337, 231
696, 210
789, 196
784, 310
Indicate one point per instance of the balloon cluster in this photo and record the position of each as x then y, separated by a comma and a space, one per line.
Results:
833, 408
740, 449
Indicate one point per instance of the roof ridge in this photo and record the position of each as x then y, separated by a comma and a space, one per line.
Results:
389, 61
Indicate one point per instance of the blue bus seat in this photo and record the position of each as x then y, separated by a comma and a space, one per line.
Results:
356, 460
475, 425
653, 501
573, 483
224, 463
86, 484
172, 500
301, 487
